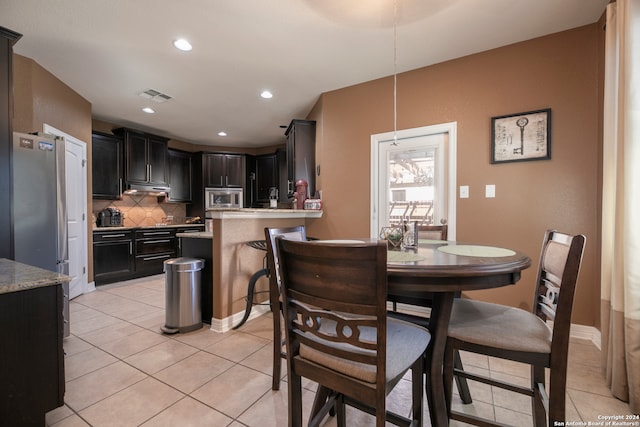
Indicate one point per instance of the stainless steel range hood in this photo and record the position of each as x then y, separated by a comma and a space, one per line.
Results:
147, 190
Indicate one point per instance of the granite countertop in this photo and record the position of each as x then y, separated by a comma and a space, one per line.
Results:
145, 227
15, 276
197, 235
262, 213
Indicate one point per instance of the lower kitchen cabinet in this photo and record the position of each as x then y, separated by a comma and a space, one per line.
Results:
112, 256
32, 369
134, 252
153, 248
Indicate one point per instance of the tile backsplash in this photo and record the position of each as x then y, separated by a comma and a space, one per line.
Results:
140, 211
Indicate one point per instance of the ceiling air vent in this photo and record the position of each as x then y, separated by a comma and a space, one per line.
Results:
155, 96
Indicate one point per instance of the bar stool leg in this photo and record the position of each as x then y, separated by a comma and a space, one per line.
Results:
250, 291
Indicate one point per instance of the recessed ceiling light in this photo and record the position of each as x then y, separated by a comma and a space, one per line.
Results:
222, 133
266, 94
148, 110
182, 44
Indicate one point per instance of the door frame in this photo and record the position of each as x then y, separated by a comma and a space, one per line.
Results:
451, 161
71, 188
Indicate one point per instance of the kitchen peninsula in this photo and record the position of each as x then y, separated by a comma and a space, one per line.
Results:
233, 262
32, 369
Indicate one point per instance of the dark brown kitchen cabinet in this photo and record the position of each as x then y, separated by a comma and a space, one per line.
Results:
180, 176
106, 166
224, 170
145, 157
153, 248
301, 154
266, 176
32, 371
113, 257
7, 39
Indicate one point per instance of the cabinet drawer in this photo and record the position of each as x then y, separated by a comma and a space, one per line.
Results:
155, 246
110, 236
152, 264
190, 229
155, 233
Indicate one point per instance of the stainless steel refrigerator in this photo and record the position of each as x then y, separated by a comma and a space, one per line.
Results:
39, 206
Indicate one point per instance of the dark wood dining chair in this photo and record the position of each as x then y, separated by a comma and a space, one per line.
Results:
296, 233
433, 232
338, 334
522, 336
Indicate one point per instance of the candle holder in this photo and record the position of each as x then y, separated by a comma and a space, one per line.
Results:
393, 235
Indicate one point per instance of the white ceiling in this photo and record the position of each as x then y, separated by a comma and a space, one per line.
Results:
109, 51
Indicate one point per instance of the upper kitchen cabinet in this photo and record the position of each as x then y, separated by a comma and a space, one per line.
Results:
224, 170
301, 154
145, 158
266, 177
180, 176
106, 161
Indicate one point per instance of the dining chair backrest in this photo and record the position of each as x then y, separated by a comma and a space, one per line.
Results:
557, 276
340, 285
294, 233
334, 304
433, 232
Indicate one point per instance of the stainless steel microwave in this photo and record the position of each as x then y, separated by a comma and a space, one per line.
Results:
217, 198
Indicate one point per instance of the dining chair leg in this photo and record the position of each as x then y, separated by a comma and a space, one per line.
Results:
461, 383
277, 347
417, 384
537, 402
295, 400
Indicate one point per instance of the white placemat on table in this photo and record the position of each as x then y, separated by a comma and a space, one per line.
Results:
476, 250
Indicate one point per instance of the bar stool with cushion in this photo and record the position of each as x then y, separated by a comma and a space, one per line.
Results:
338, 335
294, 233
522, 336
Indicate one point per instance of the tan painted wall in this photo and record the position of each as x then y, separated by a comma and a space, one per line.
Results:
39, 98
558, 71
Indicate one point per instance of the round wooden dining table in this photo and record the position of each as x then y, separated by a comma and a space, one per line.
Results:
437, 271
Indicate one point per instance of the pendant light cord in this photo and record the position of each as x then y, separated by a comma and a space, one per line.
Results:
395, 71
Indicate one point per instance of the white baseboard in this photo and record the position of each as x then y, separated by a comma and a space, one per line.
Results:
90, 287
226, 324
584, 332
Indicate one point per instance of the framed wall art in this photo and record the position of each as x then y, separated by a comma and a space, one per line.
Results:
521, 137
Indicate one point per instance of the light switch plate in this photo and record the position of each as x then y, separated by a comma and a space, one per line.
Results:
464, 191
490, 191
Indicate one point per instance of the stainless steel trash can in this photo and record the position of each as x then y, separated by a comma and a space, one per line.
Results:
182, 294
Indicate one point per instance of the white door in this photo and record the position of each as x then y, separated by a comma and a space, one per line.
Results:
76, 186
413, 177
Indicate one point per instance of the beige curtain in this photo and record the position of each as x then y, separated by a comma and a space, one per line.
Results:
620, 295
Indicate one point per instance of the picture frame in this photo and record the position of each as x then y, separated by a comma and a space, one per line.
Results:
521, 137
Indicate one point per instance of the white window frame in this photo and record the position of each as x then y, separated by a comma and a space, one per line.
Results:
449, 150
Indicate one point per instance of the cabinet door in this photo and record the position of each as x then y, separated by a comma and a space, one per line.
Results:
32, 369
266, 176
214, 170
112, 260
301, 154
180, 176
136, 158
234, 170
157, 159
281, 159
106, 166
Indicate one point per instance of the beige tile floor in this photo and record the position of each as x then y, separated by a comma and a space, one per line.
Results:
122, 371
